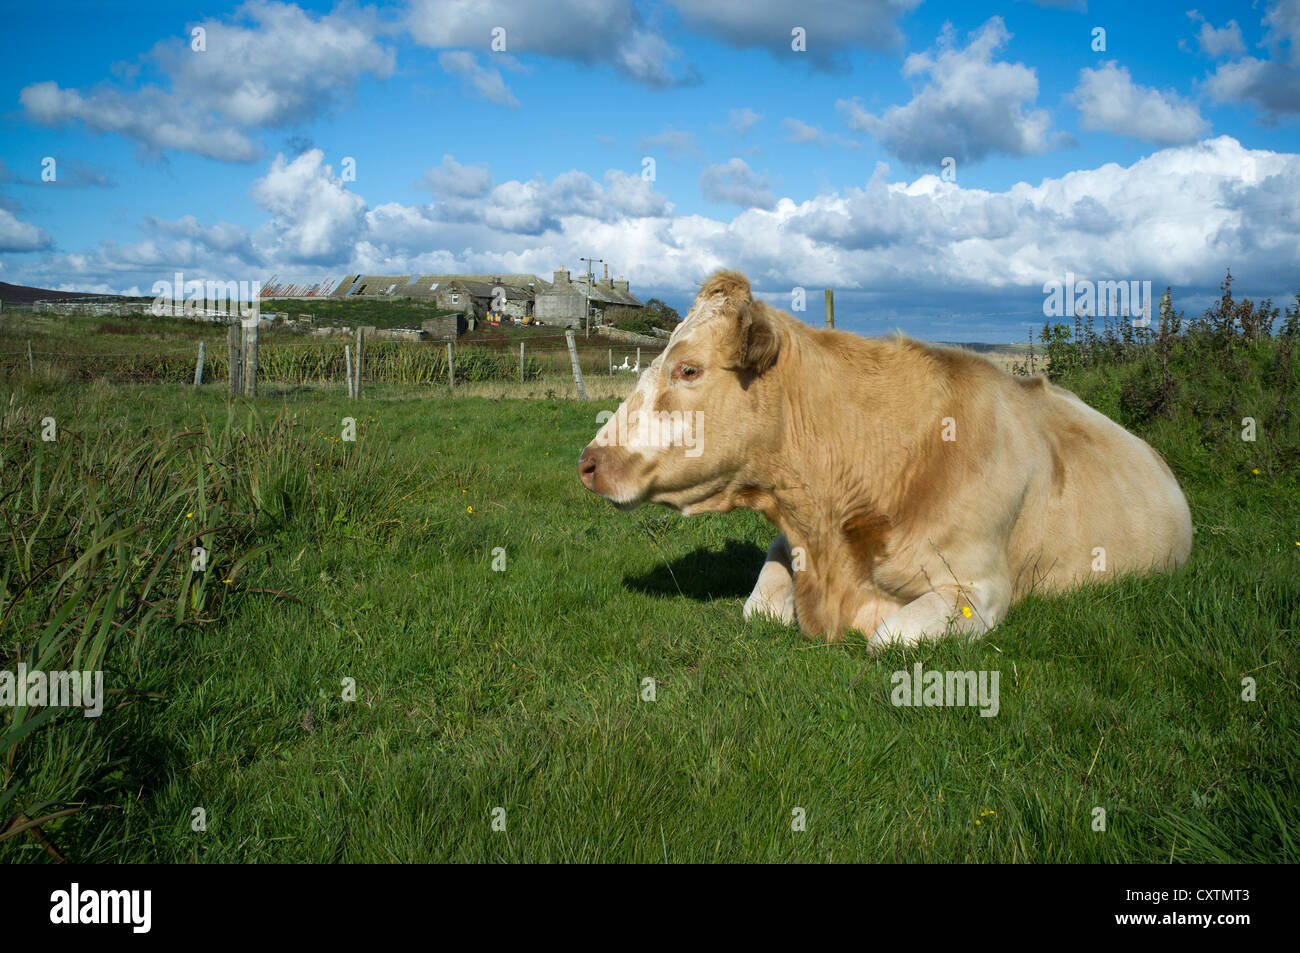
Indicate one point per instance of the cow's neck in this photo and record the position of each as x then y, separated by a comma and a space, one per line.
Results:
855, 412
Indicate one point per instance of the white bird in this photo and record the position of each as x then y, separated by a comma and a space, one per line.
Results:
636, 368
624, 366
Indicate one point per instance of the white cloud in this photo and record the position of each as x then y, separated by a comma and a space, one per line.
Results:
736, 183
1109, 101
270, 64
1270, 84
454, 180
796, 130
314, 218
1180, 216
674, 143
223, 237
608, 32
1225, 41
149, 116
742, 120
485, 81
19, 236
970, 107
831, 26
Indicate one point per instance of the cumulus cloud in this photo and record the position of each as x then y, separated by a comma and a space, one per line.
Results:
314, 218
736, 183
970, 106
223, 238
1224, 41
149, 116
1272, 84
19, 236
1179, 216
832, 26
273, 63
595, 32
1108, 100
454, 180
270, 64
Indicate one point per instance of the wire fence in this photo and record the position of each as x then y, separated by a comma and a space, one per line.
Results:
330, 361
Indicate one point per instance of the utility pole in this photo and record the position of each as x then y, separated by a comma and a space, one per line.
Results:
586, 311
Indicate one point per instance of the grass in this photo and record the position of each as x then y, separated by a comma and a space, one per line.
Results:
521, 689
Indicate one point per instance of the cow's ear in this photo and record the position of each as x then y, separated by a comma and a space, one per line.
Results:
757, 337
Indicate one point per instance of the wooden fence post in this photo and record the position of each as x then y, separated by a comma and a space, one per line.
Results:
356, 391
235, 359
347, 359
250, 361
451, 365
638, 357
31, 360
577, 368
198, 367
521, 362
611, 362
830, 308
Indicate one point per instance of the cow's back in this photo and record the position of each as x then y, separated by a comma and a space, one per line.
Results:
1099, 500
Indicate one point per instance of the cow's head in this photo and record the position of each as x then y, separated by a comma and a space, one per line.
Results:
700, 413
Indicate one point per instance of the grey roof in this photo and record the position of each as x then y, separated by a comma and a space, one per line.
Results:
515, 279
602, 292
487, 289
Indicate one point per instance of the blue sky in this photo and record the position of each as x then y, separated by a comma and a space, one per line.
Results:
1169, 156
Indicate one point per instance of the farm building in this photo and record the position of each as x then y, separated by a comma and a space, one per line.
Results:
422, 286
477, 297
566, 301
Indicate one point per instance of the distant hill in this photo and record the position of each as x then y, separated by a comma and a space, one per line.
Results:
21, 294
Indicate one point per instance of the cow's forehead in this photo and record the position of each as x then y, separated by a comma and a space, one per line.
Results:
702, 312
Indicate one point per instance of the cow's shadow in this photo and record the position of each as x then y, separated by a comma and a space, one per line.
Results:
704, 574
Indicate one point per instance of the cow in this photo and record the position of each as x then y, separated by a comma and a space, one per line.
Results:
919, 490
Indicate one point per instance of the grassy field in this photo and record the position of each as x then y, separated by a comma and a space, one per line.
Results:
520, 686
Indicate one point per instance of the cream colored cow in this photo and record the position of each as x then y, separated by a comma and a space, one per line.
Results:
918, 490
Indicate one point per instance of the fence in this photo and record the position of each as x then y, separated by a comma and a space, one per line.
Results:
246, 360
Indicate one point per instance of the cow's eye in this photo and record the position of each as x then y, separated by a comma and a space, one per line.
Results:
687, 372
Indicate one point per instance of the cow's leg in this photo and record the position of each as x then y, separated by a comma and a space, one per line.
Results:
969, 610
774, 592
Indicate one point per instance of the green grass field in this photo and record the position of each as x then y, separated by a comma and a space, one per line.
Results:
522, 689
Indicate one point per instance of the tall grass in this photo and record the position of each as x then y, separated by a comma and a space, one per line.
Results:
390, 362
111, 540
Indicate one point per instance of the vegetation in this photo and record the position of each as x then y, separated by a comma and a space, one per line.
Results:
655, 314
498, 622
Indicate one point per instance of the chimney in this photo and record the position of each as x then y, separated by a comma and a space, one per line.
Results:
561, 278
620, 285
606, 271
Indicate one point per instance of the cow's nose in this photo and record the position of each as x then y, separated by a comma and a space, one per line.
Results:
587, 463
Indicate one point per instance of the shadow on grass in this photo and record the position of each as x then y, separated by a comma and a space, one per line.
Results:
704, 574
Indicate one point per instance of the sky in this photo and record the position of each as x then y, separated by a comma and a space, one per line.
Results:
937, 164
